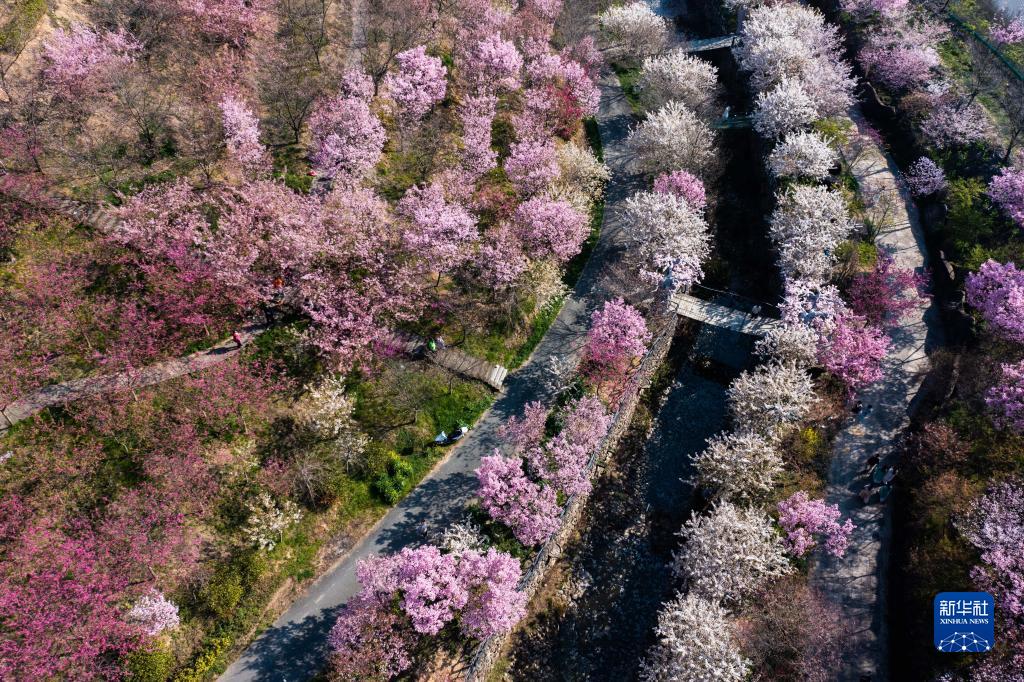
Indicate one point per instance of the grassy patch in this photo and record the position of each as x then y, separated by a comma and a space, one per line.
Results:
19, 26
628, 77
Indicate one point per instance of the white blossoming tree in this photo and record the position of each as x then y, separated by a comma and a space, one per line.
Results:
791, 343
728, 553
770, 398
327, 412
633, 30
154, 613
695, 642
672, 236
738, 466
582, 178
268, 521
808, 224
672, 138
783, 109
803, 155
677, 76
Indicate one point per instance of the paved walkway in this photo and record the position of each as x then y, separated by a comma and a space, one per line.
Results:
294, 647
77, 389
858, 581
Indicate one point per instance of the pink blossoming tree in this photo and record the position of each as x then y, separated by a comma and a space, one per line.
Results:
347, 138
802, 518
1007, 191
418, 85
81, 61
997, 291
925, 177
853, 351
551, 228
509, 497
242, 136
1006, 398
684, 185
883, 295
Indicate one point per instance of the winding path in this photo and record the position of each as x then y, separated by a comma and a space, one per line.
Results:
857, 582
294, 647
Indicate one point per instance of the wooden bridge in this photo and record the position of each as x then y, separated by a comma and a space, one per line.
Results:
451, 359
719, 315
716, 43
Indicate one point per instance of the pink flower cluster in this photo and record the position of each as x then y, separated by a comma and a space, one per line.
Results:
419, 84
347, 138
477, 115
802, 518
1007, 191
80, 61
526, 431
242, 135
853, 351
432, 589
1006, 398
563, 461
551, 228
1011, 32
997, 290
682, 184
532, 165
995, 525
439, 231
618, 333
493, 64
509, 497
925, 177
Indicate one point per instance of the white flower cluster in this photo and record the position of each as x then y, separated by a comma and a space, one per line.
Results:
327, 411
770, 398
633, 31
678, 76
582, 178
672, 138
808, 224
268, 521
672, 236
803, 155
694, 643
738, 466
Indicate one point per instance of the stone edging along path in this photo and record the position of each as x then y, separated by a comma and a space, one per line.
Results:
857, 582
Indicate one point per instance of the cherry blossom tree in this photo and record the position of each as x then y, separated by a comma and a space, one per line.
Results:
886, 293
853, 351
562, 461
419, 83
154, 613
738, 466
812, 304
509, 497
525, 431
728, 553
477, 115
633, 30
493, 64
925, 177
581, 179
802, 518
677, 76
954, 120
865, 10
902, 53
439, 231
80, 61
1007, 191
370, 641
242, 136
997, 291
770, 397
495, 604
792, 343
808, 224
783, 109
684, 185
1008, 32
803, 155
672, 138
532, 165
695, 642
994, 524
550, 228
617, 334
500, 260
346, 137
1006, 398
671, 236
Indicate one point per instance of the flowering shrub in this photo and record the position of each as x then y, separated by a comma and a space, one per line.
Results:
803, 155
802, 518
268, 520
1009, 32
738, 466
617, 334
808, 224
154, 613
1007, 191
672, 138
925, 177
997, 291
242, 136
477, 114
994, 524
81, 61
1006, 398
678, 76
347, 138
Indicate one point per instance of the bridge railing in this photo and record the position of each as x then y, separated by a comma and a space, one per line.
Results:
746, 304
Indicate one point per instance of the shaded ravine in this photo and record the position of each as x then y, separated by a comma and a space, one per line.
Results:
294, 647
616, 573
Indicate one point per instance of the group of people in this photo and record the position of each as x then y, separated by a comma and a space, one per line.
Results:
878, 477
